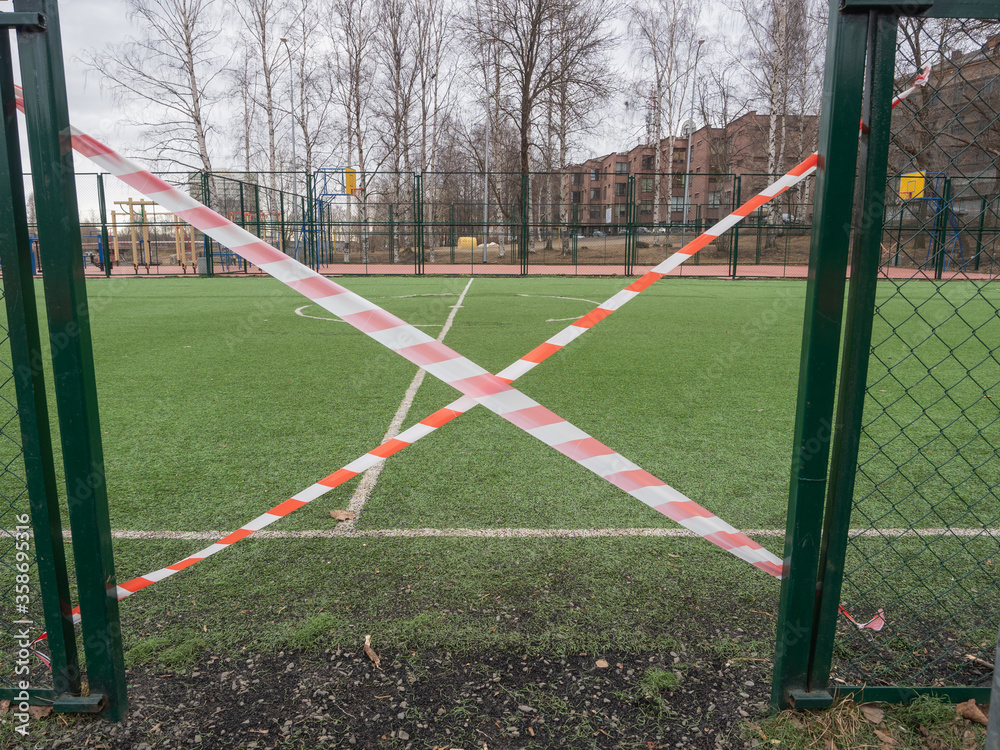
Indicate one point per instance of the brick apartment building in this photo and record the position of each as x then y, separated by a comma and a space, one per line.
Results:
950, 129
596, 191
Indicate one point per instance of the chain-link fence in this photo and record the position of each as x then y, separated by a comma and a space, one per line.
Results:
448, 222
925, 544
20, 599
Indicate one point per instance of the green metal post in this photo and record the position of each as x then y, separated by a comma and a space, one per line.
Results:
899, 235
576, 242
630, 227
392, 236
47, 117
979, 233
873, 167
838, 148
734, 256
102, 204
243, 219
760, 227
29, 382
256, 208
452, 224
281, 220
697, 256
207, 199
525, 230
311, 209
418, 224
941, 233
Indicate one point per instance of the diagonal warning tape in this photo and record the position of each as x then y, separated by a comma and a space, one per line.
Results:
525, 364
474, 382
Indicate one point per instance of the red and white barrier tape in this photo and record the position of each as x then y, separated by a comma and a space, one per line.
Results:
724, 535
475, 383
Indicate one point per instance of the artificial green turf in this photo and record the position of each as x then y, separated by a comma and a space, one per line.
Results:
529, 595
694, 381
218, 402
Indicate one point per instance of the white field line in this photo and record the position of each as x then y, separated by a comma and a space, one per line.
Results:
298, 311
370, 477
550, 296
340, 532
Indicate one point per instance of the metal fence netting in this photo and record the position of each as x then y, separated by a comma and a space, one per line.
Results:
925, 542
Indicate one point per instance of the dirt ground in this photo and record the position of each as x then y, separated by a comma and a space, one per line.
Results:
338, 698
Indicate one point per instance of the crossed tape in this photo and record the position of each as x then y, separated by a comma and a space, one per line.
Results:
522, 412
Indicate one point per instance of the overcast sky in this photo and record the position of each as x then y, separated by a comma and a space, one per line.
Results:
89, 24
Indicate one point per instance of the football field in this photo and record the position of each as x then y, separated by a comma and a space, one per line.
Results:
220, 398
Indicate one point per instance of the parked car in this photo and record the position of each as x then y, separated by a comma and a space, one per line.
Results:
599, 233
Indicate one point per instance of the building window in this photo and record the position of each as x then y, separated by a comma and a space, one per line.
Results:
595, 194
678, 180
595, 213
577, 178
715, 199
677, 203
648, 163
622, 210
574, 197
620, 189
621, 167
646, 207
646, 185
595, 175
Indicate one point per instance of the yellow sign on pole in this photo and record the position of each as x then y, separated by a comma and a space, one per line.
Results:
911, 185
350, 181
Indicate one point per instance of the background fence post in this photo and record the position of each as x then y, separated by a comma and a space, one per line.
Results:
47, 117
525, 230
838, 149
734, 255
103, 207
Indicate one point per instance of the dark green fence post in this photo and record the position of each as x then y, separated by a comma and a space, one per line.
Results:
630, 227
103, 207
979, 234
418, 224
29, 382
207, 200
941, 233
838, 149
452, 225
392, 236
525, 230
243, 220
281, 221
47, 117
734, 255
866, 258
256, 201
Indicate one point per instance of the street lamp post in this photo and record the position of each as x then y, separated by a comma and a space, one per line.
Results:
687, 169
291, 91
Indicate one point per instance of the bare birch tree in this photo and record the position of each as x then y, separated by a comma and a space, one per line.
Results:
665, 33
538, 45
168, 76
264, 22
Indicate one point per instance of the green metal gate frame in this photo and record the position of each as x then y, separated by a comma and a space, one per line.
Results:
858, 86
47, 118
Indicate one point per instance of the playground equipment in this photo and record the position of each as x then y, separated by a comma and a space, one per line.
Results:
141, 216
136, 218
328, 187
98, 260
